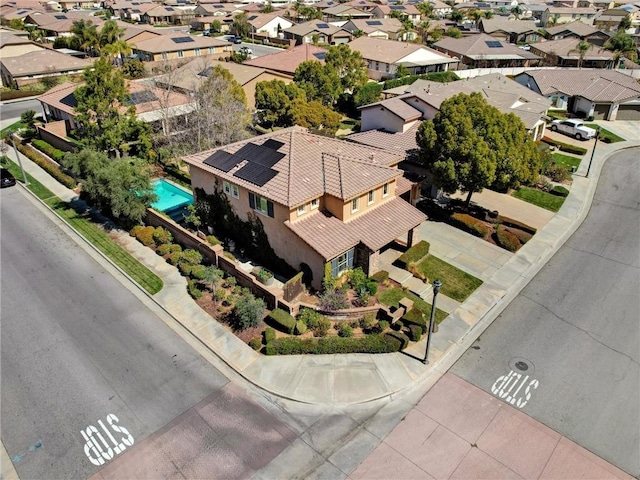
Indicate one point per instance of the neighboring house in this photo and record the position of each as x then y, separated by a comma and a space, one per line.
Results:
134, 13
384, 56
601, 94
422, 99
270, 23
188, 78
325, 204
512, 31
344, 12
364, 5
31, 67
14, 46
8, 13
564, 53
170, 15
440, 9
317, 31
386, 28
133, 33
153, 105
578, 30
484, 51
214, 9
385, 11
287, 61
556, 15
179, 45
608, 20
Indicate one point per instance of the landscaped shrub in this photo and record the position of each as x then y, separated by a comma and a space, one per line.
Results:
212, 240
49, 150
357, 278
332, 345
510, 222
362, 298
198, 271
414, 316
565, 147
557, 173
404, 340
559, 190
145, 235
344, 329
220, 295
415, 253
380, 277
283, 320
161, 236
319, 325
470, 224
194, 291
523, 236
46, 165
368, 322
185, 268
398, 325
230, 282
174, 258
382, 325
415, 332
247, 312
372, 287
301, 327
192, 257
255, 343
166, 249
269, 335
507, 240
230, 256
331, 301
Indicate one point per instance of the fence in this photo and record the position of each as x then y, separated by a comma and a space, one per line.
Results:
512, 71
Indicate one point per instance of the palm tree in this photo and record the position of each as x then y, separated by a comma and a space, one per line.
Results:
622, 45
457, 16
488, 14
87, 35
476, 15
110, 33
516, 11
118, 49
554, 20
241, 25
581, 49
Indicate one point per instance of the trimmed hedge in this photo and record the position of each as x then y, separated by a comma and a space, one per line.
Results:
415, 332
442, 77
470, 224
283, 320
144, 234
523, 237
414, 316
510, 222
507, 240
269, 335
49, 167
565, 147
416, 253
329, 345
401, 337
380, 277
48, 149
559, 190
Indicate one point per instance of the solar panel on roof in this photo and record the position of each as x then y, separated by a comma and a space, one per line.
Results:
256, 173
322, 25
493, 44
252, 17
259, 154
222, 160
272, 144
145, 96
182, 40
169, 9
218, 6
61, 17
374, 22
397, 7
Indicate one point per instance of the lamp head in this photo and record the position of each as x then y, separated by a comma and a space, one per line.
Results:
436, 286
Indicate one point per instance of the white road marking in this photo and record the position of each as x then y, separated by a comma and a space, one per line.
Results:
499, 388
96, 448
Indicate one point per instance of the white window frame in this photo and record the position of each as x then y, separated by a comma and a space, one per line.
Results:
371, 197
197, 52
385, 190
315, 203
235, 191
355, 204
180, 53
226, 186
261, 205
302, 209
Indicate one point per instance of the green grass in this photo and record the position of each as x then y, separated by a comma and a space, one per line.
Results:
391, 296
606, 134
566, 161
539, 198
456, 284
12, 128
94, 234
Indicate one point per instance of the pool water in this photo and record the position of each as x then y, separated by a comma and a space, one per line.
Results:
170, 197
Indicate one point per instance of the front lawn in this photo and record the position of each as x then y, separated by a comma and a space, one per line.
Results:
456, 284
605, 135
566, 161
391, 296
539, 198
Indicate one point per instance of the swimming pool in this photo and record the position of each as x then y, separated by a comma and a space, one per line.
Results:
170, 197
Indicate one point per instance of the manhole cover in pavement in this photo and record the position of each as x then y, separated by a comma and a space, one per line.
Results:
522, 365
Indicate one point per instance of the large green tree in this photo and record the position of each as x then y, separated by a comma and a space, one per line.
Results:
87, 35
241, 26
119, 187
349, 65
103, 117
273, 102
314, 115
319, 81
622, 45
470, 145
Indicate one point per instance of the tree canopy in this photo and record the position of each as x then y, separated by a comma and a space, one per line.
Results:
470, 145
622, 45
349, 65
319, 81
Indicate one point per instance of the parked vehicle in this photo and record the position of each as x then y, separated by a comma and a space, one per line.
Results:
573, 128
246, 50
237, 40
6, 179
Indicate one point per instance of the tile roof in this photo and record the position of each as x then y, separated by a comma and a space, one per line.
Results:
61, 97
288, 60
390, 25
477, 48
310, 166
404, 143
572, 10
330, 236
407, 10
399, 108
10, 39
165, 43
490, 25
597, 85
302, 29
44, 61
391, 51
345, 10
568, 48
579, 28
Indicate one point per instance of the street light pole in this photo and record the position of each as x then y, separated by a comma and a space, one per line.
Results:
593, 151
24, 175
436, 288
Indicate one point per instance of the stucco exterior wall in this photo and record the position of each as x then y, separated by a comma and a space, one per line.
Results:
378, 117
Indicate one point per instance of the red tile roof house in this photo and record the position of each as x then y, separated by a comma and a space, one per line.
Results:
321, 201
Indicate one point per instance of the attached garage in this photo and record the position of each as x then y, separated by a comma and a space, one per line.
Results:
601, 111
628, 112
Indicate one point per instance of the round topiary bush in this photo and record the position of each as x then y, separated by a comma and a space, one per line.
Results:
162, 236
255, 343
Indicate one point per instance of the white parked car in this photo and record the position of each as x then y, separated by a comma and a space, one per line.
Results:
573, 128
246, 50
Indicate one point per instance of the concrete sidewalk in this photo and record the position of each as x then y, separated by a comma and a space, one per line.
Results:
359, 378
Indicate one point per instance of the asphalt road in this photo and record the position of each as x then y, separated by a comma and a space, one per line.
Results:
15, 109
76, 346
572, 337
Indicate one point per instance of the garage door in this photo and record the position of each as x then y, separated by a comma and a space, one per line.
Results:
601, 112
628, 112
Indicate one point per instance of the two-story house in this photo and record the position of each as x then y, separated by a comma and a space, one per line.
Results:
179, 45
325, 204
579, 30
317, 31
512, 31
556, 15
386, 11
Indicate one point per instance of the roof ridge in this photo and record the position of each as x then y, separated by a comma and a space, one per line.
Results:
291, 137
